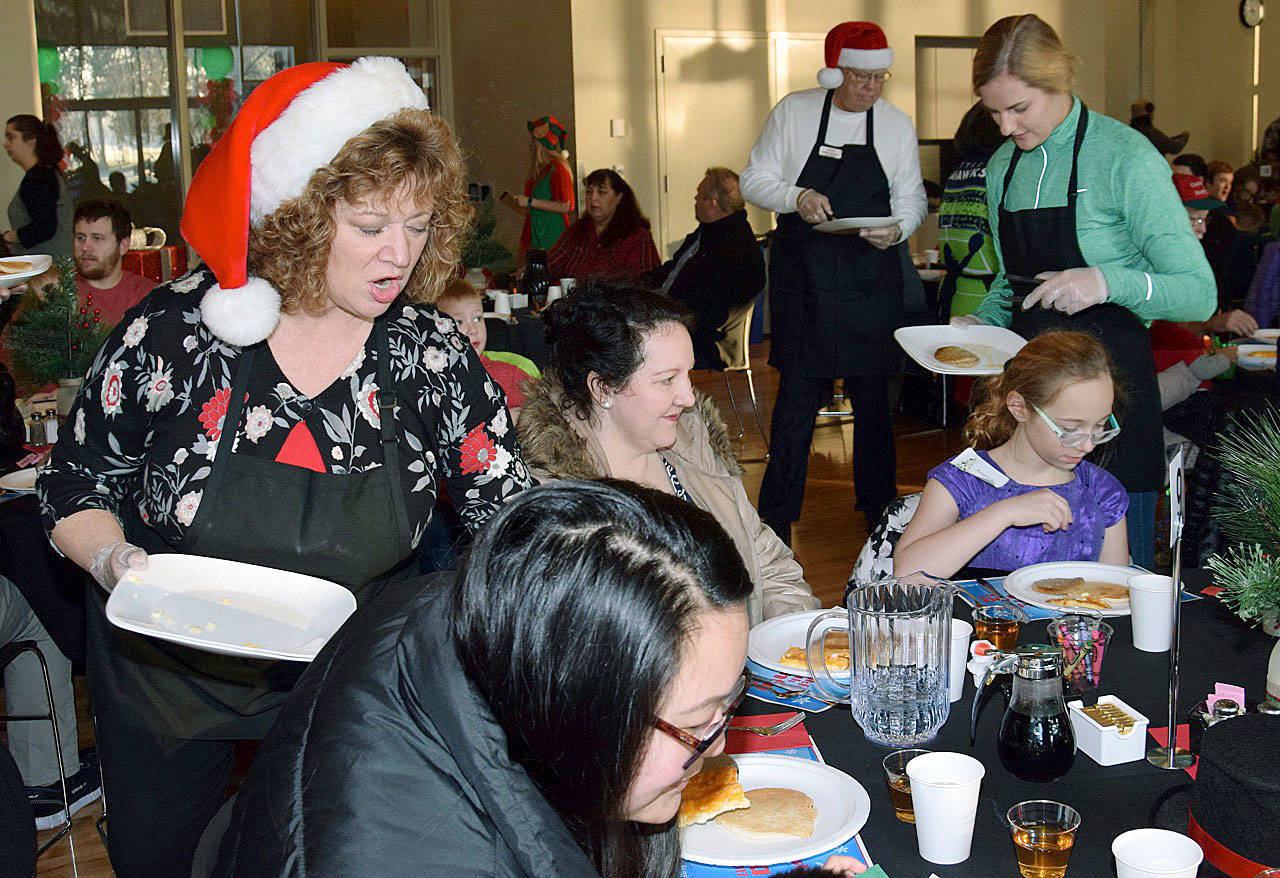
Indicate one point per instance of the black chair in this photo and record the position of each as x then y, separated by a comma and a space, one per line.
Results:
8, 653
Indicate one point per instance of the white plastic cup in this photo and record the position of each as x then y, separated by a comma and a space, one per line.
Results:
1151, 611
502, 303
930, 257
944, 793
1155, 853
960, 633
553, 292
567, 284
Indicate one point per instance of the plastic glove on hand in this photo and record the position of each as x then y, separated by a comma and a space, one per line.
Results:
814, 207
1069, 291
114, 561
882, 238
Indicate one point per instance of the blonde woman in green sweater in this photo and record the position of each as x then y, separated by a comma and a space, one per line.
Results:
1090, 235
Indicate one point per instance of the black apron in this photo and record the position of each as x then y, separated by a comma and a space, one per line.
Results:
1044, 239
351, 529
835, 300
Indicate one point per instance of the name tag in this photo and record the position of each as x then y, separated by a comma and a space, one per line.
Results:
968, 461
831, 152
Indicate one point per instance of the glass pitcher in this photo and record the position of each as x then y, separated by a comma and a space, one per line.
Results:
899, 652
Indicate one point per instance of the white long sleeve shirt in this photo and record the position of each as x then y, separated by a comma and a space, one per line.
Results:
788, 137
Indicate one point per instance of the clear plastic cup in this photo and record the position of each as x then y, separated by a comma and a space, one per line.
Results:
1083, 641
1044, 833
895, 778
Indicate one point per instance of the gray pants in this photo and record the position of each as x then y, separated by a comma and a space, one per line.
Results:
31, 742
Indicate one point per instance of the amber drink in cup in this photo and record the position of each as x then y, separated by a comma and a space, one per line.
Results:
1043, 834
895, 778
997, 624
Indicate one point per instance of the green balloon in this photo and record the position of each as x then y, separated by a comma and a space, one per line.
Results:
216, 61
48, 63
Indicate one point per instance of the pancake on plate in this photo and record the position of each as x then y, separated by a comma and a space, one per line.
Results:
713, 790
954, 355
775, 814
835, 650
1078, 592
14, 266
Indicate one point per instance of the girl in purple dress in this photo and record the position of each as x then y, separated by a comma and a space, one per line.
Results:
1022, 493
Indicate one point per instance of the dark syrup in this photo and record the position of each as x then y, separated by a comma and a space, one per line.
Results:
1036, 748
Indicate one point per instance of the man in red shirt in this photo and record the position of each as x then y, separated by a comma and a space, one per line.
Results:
100, 239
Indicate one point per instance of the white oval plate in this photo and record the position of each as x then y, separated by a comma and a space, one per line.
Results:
229, 607
1256, 356
994, 345
851, 224
35, 264
1018, 583
769, 640
20, 480
843, 807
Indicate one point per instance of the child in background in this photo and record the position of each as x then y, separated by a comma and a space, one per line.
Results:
1023, 493
465, 304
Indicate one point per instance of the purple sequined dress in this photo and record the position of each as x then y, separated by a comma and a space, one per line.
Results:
1096, 498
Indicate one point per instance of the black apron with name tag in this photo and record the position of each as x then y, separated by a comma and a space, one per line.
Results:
1044, 239
348, 528
835, 300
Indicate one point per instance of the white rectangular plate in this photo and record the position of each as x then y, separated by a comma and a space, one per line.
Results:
229, 607
842, 803
849, 225
994, 345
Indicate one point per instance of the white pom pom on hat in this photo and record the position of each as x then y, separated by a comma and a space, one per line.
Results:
289, 126
858, 44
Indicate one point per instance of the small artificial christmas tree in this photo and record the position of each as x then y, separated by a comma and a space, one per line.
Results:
482, 250
55, 338
1248, 512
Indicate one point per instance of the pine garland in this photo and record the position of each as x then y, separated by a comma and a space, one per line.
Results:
1248, 513
482, 250
55, 338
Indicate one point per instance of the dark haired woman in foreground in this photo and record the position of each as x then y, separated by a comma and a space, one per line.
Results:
616, 402
508, 719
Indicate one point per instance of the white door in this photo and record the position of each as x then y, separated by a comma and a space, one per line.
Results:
714, 92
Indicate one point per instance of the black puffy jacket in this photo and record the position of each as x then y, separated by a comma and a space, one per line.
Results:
385, 762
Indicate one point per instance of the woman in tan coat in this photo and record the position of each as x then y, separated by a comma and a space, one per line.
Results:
616, 402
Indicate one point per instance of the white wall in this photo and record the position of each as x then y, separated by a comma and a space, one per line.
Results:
614, 67
21, 82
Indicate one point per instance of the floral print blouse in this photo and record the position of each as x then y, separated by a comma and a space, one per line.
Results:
150, 417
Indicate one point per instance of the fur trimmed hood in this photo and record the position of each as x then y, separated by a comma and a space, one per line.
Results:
556, 442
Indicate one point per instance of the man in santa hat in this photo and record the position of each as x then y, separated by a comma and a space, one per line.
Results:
840, 152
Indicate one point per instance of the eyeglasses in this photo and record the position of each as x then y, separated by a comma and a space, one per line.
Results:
865, 78
700, 746
1076, 438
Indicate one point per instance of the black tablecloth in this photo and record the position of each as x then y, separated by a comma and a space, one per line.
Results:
526, 336
1111, 800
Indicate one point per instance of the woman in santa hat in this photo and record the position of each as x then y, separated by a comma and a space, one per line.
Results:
292, 403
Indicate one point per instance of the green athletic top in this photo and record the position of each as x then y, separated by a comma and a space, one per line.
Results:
1129, 220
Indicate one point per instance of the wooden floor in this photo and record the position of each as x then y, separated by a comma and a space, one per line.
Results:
826, 539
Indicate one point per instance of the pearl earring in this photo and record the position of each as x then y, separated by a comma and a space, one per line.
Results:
607, 404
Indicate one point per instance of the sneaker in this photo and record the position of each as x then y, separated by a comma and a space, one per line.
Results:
83, 787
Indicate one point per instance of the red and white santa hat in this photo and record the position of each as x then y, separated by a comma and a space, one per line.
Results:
289, 126
857, 44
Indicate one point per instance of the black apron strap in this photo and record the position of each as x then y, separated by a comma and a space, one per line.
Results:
822, 123
1081, 126
387, 413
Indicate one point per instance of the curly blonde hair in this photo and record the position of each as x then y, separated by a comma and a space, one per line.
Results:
1044, 366
413, 148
